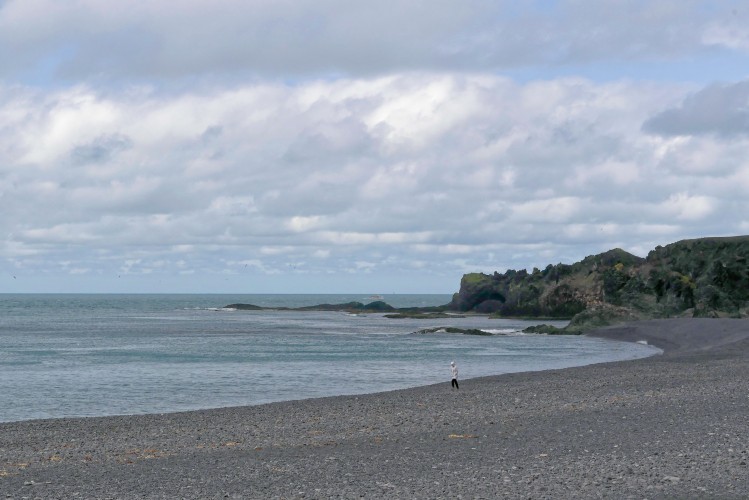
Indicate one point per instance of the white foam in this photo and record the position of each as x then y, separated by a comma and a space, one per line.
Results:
502, 331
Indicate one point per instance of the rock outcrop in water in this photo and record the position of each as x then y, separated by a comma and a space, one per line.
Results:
352, 307
452, 329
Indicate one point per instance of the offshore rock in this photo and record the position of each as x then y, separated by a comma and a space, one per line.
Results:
451, 329
357, 307
244, 307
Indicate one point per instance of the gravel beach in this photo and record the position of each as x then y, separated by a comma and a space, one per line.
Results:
674, 425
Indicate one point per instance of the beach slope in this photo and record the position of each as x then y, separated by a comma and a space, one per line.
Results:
674, 425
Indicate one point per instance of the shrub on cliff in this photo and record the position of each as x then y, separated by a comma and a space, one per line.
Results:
704, 277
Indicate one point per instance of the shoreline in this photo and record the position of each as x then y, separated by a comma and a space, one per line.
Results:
662, 426
597, 351
302, 400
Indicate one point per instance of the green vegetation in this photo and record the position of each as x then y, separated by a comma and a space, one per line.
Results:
706, 277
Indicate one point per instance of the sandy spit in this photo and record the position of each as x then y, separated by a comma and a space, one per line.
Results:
674, 425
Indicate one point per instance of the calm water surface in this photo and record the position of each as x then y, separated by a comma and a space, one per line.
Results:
93, 355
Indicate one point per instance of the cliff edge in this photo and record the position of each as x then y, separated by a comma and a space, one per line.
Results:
706, 277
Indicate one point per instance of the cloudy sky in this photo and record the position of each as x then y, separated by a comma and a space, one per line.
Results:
381, 146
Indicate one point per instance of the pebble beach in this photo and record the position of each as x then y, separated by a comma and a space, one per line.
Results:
674, 425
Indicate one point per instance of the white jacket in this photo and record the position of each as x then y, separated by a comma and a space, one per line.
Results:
454, 370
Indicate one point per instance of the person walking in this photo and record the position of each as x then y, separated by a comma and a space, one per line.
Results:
454, 370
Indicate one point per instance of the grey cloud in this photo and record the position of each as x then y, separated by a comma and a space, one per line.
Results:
101, 150
311, 197
722, 110
314, 37
329, 142
211, 133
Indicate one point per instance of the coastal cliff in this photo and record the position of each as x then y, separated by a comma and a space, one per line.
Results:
706, 277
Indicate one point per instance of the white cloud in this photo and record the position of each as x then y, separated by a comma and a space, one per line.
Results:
301, 224
563, 160
703, 156
731, 31
557, 210
685, 207
316, 138
277, 250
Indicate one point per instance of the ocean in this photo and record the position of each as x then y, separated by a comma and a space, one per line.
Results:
95, 355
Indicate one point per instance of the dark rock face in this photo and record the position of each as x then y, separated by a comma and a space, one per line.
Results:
379, 306
244, 307
489, 306
372, 307
451, 329
707, 277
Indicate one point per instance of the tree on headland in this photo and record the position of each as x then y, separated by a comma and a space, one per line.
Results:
705, 277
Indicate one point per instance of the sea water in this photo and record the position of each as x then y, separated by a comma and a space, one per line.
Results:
94, 355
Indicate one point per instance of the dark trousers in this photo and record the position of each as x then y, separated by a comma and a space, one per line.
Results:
455, 383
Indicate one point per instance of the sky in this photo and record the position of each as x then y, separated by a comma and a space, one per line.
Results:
389, 146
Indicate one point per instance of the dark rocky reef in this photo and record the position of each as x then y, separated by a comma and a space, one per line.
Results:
244, 307
546, 329
451, 329
377, 306
422, 315
353, 307
706, 277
